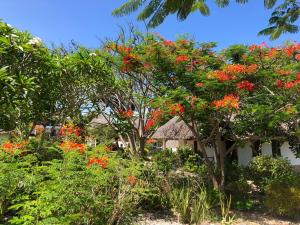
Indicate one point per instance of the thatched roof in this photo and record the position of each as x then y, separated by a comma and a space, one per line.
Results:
100, 120
174, 129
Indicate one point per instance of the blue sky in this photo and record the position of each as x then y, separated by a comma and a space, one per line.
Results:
85, 22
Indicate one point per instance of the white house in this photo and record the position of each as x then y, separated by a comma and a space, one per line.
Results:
175, 133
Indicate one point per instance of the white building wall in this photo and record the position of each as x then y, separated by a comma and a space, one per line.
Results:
266, 149
289, 155
244, 154
172, 144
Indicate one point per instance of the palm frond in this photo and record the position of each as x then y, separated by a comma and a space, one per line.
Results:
241, 1
158, 17
128, 7
202, 7
222, 3
185, 9
269, 3
149, 9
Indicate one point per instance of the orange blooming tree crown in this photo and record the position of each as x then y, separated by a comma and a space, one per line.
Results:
247, 86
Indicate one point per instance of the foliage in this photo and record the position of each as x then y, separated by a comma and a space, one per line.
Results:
266, 169
243, 94
283, 199
71, 190
282, 19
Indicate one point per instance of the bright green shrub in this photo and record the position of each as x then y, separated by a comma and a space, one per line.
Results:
69, 191
165, 160
264, 170
283, 199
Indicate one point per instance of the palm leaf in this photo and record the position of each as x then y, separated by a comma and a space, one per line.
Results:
269, 3
149, 9
202, 7
128, 7
222, 3
158, 17
185, 9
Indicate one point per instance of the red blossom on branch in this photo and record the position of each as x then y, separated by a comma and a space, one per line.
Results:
101, 161
228, 101
125, 113
246, 85
149, 124
182, 58
177, 108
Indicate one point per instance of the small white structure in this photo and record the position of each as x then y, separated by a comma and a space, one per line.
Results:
175, 133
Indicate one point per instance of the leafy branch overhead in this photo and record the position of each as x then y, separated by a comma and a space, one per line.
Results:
282, 20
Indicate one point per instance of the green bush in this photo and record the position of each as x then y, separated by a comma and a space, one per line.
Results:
283, 199
165, 160
264, 170
68, 191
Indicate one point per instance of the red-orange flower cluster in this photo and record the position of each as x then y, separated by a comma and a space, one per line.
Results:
67, 146
182, 58
101, 161
69, 130
289, 84
9, 147
177, 108
155, 116
291, 49
149, 124
199, 84
150, 141
125, 113
228, 101
168, 43
238, 68
222, 76
246, 85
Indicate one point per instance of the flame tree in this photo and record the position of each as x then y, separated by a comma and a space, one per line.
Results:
243, 94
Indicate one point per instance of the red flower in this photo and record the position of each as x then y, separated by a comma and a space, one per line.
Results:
246, 85
222, 76
297, 57
150, 141
199, 84
291, 49
102, 162
150, 123
279, 83
236, 68
156, 114
251, 68
77, 132
125, 113
228, 101
168, 43
182, 58
288, 85
177, 108
271, 53
67, 146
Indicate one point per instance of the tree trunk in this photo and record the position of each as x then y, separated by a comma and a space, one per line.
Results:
132, 146
142, 143
221, 147
211, 173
